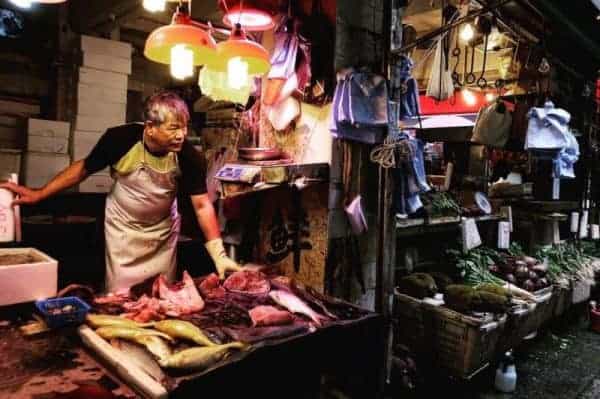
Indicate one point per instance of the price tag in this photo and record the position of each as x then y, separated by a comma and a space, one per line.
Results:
503, 235
583, 225
574, 222
506, 212
555, 189
470, 234
595, 231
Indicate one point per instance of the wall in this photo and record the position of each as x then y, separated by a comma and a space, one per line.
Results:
359, 42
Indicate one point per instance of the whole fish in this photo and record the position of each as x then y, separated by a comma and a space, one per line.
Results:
184, 330
200, 357
101, 320
142, 359
155, 345
129, 333
295, 305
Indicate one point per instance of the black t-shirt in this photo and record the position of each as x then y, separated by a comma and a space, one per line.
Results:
118, 142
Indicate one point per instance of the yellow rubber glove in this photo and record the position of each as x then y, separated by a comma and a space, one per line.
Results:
223, 263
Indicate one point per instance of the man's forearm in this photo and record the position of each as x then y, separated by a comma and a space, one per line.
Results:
69, 177
206, 216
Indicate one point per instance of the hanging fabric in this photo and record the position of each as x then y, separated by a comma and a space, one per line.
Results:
404, 88
547, 128
493, 124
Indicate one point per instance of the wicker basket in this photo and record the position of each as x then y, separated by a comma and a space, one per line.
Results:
463, 345
409, 324
561, 300
460, 345
522, 321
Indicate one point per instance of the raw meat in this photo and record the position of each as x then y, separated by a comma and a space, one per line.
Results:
269, 316
248, 282
180, 298
211, 288
174, 301
295, 305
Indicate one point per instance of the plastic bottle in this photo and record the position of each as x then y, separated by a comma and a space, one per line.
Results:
506, 374
7, 216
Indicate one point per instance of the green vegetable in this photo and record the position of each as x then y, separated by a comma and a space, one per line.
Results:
474, 265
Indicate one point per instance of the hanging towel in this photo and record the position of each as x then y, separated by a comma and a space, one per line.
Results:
547, 127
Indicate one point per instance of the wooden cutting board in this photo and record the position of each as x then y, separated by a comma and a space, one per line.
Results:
131, 374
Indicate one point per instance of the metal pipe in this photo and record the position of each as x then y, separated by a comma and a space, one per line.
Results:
445, 28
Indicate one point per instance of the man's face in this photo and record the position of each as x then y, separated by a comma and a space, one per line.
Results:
171, 134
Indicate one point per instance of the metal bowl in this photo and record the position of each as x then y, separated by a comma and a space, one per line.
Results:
259, 153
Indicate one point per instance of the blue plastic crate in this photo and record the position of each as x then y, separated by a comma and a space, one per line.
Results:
77, 316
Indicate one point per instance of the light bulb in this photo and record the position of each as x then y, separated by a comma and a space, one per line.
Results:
489, 97
154, 5
237, 73
182, 62
22, 3
469, 97
467, 33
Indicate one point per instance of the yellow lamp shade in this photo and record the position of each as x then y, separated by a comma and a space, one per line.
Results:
252, 53
180, 31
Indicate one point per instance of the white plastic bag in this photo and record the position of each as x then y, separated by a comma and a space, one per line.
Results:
441, 86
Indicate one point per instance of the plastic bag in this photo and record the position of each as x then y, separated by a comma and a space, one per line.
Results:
441, 86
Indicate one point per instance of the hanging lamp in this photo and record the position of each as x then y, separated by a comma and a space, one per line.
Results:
159, 5
247, 14
185, 34
29, 3
238, 50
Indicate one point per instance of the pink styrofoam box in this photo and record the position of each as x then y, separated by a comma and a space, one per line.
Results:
21, 283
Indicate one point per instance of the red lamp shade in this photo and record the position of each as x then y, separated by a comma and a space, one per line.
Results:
180, 31
250, 52
247, 14
50, 1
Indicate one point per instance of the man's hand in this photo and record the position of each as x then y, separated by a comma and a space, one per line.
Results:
223, 263
26, 195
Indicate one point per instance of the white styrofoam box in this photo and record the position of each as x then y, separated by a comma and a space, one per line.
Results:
40, 167
106, 62
96, 123
103, 78
18, 108
97, 183
89, 92
97, 45
48, 136
27, 282
10, 161
98, 108
83, 142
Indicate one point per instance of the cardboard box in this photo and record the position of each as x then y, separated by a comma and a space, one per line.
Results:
27, 282
40, 167
87, 92
105, 62
90, 123
102, 109
103, 78
48, 136
10, 161
97, 183
15, 108
84, 142
97, 45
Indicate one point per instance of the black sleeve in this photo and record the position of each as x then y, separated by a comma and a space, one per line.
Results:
112, 146
193, 170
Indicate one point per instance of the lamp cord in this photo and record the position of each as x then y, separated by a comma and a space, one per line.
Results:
241, 11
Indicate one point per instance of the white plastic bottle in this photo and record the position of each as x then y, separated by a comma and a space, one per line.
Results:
506, 374
7, 216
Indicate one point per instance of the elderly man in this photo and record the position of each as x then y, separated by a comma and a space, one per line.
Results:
149, 162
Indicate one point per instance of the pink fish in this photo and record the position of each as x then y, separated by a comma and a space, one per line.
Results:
295, 305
